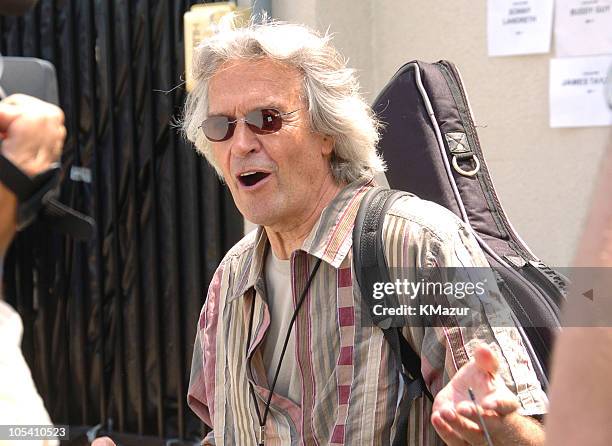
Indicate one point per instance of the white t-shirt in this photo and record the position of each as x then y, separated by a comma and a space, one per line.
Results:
20, 403
281, 306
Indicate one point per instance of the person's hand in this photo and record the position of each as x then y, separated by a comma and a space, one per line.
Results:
32, 133
454, 415
103, 441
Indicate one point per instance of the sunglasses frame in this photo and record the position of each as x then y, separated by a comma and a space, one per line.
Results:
232, 123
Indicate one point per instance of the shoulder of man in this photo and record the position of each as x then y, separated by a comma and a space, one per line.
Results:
425, 234
236, 259
431, 217
243, 248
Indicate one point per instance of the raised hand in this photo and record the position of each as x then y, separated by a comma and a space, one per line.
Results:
454, 415
33, 133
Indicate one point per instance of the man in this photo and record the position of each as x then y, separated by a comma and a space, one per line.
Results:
33, 135
279, 116
581, 389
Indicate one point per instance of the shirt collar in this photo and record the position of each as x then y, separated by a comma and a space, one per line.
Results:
330, 239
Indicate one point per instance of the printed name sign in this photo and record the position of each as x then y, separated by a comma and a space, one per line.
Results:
577, 92
519, 26
583, 27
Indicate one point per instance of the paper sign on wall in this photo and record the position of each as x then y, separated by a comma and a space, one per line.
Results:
577, 92
519, 26
583, 27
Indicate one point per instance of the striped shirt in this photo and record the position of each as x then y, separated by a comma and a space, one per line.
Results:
350, 384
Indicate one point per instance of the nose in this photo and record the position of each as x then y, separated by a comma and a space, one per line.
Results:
244, 141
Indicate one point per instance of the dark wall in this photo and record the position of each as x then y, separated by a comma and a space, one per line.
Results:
109, 323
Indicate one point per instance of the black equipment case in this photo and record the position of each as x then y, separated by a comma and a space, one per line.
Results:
432, 150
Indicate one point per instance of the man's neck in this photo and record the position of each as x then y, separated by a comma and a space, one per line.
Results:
284, 241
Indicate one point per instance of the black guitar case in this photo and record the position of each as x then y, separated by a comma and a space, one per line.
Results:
432, 150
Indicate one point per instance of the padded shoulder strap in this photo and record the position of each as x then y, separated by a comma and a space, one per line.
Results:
370, 267
368, 253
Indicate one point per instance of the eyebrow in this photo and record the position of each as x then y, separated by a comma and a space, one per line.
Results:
267, 104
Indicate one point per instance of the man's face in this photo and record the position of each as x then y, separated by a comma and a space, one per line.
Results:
291, 165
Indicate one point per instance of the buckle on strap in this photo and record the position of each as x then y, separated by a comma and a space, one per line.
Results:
459, 147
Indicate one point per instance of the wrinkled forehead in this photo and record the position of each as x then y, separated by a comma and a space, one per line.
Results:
241, 85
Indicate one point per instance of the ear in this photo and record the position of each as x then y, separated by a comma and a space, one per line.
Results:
327, 146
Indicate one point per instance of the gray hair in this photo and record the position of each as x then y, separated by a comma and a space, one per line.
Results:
335, 105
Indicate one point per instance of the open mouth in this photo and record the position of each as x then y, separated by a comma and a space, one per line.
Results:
252, 178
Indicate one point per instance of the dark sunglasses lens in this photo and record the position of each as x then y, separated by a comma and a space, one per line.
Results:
266, 120
216, 128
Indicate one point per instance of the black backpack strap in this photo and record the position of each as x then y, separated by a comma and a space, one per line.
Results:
370, 267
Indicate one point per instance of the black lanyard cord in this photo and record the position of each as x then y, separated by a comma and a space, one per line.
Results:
262, 420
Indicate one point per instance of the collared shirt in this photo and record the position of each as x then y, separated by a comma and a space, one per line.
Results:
350, 383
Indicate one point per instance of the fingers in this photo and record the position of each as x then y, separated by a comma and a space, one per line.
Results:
468, 410
33, 133
465, 430
502, 405
56, 147
485, 359
499, 402
445, 431
7, 115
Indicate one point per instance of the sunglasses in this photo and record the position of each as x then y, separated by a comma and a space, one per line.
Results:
261, 121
